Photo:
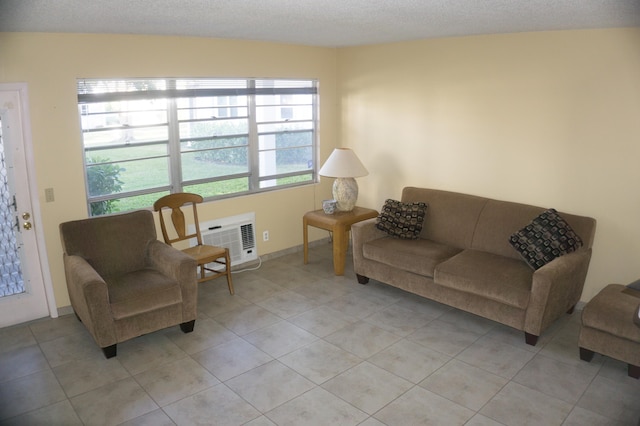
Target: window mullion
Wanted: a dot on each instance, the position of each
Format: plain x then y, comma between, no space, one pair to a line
254,157
175,162
316,151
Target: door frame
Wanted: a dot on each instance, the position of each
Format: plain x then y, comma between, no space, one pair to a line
25,122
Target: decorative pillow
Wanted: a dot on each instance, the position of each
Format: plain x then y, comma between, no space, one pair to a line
547,236
402,220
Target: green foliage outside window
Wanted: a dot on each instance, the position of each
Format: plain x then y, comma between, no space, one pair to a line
103,178
229,134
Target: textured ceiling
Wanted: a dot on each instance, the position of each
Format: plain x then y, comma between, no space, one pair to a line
331,23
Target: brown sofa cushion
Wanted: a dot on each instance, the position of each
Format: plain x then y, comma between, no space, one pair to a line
488,275
418,256
402,220
440,224
142,291
546,237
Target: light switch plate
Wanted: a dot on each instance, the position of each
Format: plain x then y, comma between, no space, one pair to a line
48,195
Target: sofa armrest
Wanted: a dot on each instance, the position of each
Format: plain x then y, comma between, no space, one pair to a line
181,267
90,299
556,288
361,233
366,231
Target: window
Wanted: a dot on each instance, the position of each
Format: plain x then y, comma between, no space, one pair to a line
145,138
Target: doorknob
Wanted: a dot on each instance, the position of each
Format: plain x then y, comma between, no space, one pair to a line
26,224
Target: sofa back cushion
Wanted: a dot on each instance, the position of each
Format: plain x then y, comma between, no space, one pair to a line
451,217
497,222
468,221
500,219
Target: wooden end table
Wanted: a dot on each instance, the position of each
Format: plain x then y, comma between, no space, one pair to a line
340,224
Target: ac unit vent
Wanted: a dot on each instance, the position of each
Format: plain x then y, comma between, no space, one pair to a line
237,233
248,235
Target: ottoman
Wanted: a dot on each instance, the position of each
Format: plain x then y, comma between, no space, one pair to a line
608,327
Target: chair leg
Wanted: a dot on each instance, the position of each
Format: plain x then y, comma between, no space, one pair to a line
362,279
228,268
187,327
634,371
586,354
530,339
110,351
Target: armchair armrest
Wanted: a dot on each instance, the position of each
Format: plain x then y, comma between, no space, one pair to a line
90,299
555,289
182,268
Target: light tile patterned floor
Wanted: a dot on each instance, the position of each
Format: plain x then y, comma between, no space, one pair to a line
297,346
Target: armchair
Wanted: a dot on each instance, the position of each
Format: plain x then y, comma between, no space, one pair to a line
123,282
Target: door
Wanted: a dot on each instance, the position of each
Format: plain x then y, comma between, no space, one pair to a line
23,295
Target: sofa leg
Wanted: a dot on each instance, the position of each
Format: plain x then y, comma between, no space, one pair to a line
586,354
110,351
571,309
530,339
187,327
362,279
634,371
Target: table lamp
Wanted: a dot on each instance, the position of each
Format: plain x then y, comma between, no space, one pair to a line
344,165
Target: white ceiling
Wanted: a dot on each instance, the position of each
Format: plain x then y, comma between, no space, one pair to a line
330,23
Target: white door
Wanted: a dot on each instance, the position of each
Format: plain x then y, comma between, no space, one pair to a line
23,295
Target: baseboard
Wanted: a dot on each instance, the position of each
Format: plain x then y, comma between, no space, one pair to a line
65,310
284,252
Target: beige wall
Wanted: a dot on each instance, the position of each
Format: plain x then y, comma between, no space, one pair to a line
50,64
551,119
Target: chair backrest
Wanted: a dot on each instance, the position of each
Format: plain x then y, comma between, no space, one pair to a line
175,202
114,244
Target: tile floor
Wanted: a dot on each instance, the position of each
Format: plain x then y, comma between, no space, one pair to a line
297,345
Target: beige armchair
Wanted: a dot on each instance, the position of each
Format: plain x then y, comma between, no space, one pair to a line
123,282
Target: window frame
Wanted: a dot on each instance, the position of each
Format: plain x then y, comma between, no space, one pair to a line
101,91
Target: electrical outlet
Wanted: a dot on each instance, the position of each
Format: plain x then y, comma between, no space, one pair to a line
265,236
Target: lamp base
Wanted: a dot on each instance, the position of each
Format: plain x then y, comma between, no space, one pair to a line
345,192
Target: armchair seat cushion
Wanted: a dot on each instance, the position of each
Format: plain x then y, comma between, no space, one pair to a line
418,256
487,275
142,291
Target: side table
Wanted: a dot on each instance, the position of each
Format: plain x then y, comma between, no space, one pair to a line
340,224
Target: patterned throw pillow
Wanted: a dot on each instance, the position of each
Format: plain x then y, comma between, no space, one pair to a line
402,220
547,236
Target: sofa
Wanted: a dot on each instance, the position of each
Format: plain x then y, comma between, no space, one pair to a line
464,255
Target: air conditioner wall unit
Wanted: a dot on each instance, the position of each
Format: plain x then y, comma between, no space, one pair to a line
237,233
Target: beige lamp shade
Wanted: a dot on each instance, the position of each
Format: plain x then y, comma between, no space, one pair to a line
344,165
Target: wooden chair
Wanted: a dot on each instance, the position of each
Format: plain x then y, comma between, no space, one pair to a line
204,254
